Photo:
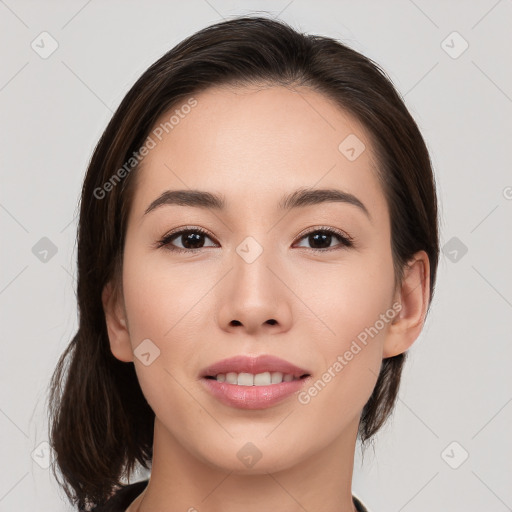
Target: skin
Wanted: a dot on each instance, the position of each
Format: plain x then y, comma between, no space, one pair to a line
253,145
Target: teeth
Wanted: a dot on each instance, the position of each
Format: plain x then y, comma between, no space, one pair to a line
260,379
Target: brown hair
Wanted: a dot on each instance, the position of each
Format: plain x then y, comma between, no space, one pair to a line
100,423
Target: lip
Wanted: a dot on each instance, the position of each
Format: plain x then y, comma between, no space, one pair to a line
253,397
254,365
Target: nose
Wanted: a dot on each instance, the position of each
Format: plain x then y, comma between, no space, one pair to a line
253,298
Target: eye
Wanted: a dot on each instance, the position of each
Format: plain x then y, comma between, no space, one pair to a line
323,237
191,240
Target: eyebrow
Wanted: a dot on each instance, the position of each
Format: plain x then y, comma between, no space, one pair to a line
298,199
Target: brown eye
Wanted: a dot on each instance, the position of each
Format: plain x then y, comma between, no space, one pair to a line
194,239
190,239
321,239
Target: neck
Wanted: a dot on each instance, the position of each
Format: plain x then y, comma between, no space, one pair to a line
182,481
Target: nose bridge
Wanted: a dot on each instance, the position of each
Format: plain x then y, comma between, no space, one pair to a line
252,295
251,262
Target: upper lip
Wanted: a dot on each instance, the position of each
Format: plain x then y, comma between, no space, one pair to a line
254,365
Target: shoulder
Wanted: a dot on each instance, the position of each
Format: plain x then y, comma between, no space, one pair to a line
122,498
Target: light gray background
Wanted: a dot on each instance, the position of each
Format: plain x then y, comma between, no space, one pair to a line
457,383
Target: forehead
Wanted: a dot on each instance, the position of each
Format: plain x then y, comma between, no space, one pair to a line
255,144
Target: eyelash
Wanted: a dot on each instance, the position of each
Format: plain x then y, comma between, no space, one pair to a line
346,240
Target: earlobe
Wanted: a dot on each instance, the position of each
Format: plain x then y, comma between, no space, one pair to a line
118,334
414,296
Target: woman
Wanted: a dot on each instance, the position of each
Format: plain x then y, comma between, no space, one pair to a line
257,250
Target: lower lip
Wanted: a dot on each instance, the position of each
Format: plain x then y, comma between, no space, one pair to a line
252,397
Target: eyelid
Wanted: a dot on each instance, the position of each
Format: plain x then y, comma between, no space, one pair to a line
179,230
314,229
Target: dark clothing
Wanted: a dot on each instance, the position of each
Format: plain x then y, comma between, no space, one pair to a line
121,500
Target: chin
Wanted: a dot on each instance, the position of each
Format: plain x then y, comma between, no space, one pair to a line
256,457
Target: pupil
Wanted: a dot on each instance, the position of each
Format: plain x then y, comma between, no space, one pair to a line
191,238
322,238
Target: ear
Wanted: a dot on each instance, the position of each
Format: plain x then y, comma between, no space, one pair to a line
115,317
413,295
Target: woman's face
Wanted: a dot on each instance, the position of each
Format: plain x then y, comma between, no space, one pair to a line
254,284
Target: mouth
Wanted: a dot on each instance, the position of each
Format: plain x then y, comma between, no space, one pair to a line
258,379
248,382
246,370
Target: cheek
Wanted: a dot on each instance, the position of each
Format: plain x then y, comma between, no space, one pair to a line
353,311
169,305
160,296
341,300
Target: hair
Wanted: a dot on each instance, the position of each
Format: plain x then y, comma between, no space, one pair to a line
101,425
